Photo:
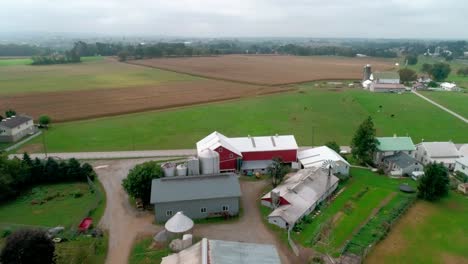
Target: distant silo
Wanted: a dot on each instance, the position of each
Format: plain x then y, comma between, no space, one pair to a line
209,161
193,166
366,72
169,169
181,170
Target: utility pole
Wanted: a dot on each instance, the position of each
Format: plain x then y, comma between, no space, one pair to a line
44,146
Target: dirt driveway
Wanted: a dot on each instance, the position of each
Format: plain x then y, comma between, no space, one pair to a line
125,224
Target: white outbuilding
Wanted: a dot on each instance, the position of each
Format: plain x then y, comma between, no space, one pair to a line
315,157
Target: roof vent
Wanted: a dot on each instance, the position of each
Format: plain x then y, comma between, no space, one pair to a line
253,142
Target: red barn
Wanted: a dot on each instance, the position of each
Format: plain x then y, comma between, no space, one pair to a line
249,153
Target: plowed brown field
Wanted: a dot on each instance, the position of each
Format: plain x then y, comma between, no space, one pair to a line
75,105
269,69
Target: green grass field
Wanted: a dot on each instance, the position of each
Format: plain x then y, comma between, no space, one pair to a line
428,233
64,210
350,209
13,62
143,254
457,102
313,115
92,73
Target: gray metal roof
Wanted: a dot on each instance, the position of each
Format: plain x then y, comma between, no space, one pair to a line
186,188
386,75
230,252
401,159
15,121
440,149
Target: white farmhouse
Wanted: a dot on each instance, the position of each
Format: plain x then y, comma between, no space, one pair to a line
451,87
315,157
15,128
298,196
389,146
438,152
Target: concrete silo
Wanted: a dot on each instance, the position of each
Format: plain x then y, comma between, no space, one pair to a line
209,161
366,72
193,166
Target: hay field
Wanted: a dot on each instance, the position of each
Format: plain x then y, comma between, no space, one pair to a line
269,69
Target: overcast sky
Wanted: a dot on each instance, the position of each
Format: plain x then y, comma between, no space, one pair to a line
237,18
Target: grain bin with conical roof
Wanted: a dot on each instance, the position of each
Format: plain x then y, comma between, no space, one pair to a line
181,170
209,161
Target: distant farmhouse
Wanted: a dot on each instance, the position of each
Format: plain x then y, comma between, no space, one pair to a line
450,87
461,165
439,152
298,196
200,196
389,146
401,164
15,128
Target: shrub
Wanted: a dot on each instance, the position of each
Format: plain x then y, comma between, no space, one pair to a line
77,194
6,232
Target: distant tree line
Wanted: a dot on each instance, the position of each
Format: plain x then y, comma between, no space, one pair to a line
22,50
17,175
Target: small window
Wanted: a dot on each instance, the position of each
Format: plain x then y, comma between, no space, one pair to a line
225,208
409,152
231,155
220,150
203,209
463,167
169,213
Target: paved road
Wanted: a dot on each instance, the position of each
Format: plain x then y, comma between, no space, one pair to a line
168,153
442,107
116,154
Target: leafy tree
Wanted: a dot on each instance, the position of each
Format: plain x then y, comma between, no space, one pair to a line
426,68
88,171
10,113
407,75
123,55
44,120
277,170
364,143
440,71
138,182
28,246
1,117
333,145
412,59
432,84
435,182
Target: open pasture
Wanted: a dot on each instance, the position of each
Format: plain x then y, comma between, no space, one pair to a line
269,69
313,115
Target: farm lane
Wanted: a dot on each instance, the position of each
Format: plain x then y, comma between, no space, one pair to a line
167,153
442,107
122,221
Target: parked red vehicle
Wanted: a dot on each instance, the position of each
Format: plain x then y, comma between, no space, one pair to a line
85,224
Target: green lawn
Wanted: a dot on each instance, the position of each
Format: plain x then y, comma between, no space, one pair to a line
428,233
142,253
350,209
455,101
313,115
92,73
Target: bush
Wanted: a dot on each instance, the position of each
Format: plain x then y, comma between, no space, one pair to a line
6,232
77,194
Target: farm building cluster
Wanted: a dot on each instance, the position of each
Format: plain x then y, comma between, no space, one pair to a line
15,128
208,186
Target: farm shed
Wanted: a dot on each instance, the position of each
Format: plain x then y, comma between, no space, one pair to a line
15,128
386,77
249,153
315,157
225,252
298,196
463,187
401,164
439,152
388,146
199,196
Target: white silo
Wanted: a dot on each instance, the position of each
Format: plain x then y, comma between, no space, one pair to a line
193,166
181,170
209,161
169,169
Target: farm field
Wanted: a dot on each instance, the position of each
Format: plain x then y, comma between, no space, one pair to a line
436,228
314,115
457,102
363,194
93,73
14,61
269,69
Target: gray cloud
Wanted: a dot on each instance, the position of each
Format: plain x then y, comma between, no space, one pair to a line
219,18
